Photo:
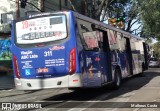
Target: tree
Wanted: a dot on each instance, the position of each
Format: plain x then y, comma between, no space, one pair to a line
156,48
150,18
133,13
97,9
146,13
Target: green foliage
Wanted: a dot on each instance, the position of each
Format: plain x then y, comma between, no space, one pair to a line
116,7
91,8
156,48
144,12
150,17
133,13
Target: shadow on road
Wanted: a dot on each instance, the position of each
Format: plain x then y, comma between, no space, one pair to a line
128,85
134,83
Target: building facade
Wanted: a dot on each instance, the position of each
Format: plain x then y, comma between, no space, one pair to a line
8,12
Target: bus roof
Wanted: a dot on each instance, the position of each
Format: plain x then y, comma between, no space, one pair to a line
80,16
101,24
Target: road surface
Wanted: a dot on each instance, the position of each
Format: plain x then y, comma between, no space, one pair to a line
132,93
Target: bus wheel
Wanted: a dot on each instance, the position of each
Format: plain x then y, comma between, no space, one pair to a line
117,79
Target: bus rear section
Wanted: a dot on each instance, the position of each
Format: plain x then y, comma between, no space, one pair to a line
44,52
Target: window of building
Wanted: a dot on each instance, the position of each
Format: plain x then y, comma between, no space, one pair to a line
6,18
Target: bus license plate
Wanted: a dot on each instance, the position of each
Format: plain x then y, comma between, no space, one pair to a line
42,70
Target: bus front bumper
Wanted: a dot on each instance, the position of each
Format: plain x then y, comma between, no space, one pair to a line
67,81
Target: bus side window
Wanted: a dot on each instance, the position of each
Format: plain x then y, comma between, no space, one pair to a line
112,37
91,40
121,42
100,40
88,36
83,27
133,45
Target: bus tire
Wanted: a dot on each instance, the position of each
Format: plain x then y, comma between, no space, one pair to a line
117,79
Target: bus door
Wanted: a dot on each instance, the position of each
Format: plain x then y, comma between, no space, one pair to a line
106,68
98,59
90,60
129,56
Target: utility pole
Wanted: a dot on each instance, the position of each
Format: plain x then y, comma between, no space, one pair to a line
17,9
42,6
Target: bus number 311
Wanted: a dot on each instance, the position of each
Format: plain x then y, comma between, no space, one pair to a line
47,53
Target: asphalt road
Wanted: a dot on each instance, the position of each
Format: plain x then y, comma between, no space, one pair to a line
133,91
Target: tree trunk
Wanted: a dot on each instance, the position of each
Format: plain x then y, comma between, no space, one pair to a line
129,25
100,10
104,12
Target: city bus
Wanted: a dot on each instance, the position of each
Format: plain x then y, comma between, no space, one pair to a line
68,50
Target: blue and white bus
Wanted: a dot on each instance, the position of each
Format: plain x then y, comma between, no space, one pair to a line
67,49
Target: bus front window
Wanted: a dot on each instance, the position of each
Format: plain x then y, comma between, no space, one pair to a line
43,29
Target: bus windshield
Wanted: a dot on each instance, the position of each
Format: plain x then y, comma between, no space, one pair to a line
44,29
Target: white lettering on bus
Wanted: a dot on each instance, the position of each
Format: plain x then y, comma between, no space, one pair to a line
24,57
26,52
29,56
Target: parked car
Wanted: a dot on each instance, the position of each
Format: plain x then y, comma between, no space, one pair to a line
154,62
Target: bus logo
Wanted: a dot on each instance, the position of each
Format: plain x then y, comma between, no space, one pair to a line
57,48
27,72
